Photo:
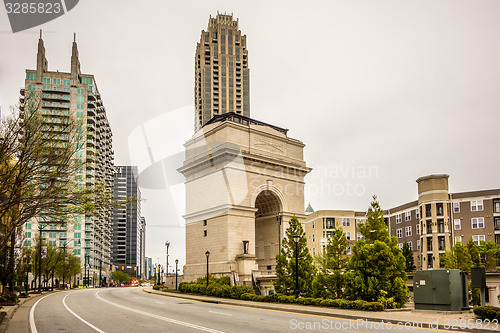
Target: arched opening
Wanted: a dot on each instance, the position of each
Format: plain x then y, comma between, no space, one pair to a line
268,206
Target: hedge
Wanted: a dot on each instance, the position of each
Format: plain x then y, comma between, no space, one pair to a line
247,294
487,312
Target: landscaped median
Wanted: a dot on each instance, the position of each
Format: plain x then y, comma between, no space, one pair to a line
247,294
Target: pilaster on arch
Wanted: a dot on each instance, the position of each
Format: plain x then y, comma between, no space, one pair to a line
273,189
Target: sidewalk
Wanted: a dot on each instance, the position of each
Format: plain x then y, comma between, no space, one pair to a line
428,319
8,311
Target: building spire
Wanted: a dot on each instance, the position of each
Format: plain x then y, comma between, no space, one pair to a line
41,62
75,62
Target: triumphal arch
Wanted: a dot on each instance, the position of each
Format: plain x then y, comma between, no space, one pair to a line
244,181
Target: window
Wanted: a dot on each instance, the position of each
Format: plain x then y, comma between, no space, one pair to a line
417,213
313,238
429,243
408,231
429,227
28,226
52,243
77,235
477,222
440,224
205,233
358,221
80,91
78,218
66,82
79,114
400,245
349,250
458,239
410,245
77,252
428,211
407,216
56,81
476,205
346,222
398,218
441,243
359,235
205,222
27,234
80,98
46,80
79,106
456,207
418,244
439,209
457,224
478,239
330,223
31,87
496,206
313,224
314,251
399,233
30,76
27,243
348,235
62,235
417,229
78,170
78,226
52,234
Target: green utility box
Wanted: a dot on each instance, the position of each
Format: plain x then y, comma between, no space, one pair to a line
441,289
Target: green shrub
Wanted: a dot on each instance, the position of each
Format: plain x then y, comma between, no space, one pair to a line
156,287
247,297
327,303
487,312
24,294
9,297
286,299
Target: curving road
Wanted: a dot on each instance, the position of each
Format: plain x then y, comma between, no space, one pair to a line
132,310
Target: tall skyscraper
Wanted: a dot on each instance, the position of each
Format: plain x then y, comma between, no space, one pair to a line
222,76
74,95
128,225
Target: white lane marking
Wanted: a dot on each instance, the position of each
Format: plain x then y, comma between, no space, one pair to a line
170,320
222,313
159,302
77,316
32,315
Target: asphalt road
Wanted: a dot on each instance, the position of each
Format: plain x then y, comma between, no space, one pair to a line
132,310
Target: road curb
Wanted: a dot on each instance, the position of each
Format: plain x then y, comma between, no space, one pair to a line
313,311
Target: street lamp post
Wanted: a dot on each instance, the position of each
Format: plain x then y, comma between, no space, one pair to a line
176,263
208,255
278,219
40,228
296,239
28,265
167,244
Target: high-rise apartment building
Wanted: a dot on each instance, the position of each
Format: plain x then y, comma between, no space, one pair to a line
128,240
75,96
222,76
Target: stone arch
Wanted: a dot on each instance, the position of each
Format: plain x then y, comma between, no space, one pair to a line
268,205
273,189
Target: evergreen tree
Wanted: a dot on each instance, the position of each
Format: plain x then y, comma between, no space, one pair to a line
409,260
285,262
474,253
458,258
489,252
377,267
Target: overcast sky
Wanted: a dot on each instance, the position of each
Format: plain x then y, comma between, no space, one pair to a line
381,92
